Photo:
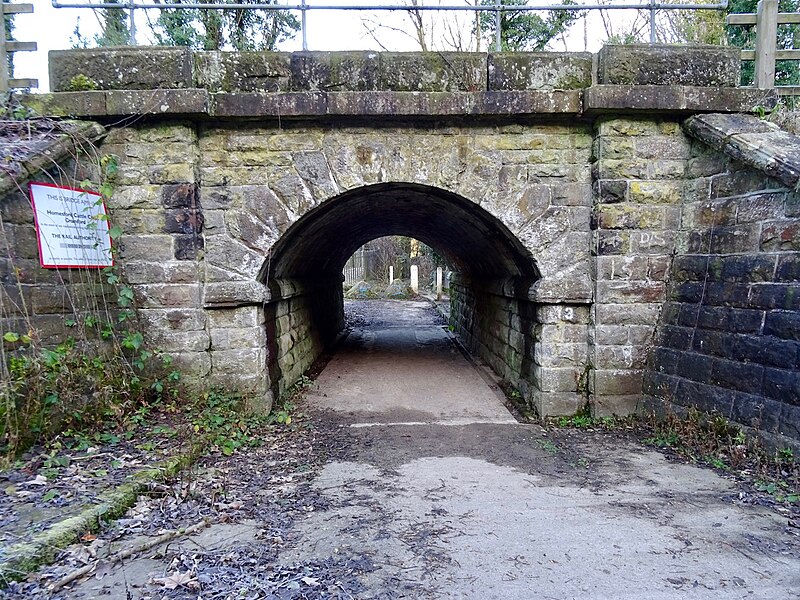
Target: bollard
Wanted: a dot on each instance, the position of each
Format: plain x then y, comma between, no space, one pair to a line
415,278
438,283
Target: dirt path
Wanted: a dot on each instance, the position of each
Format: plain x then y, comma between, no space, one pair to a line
441,497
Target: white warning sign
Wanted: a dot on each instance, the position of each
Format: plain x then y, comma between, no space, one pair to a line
72,226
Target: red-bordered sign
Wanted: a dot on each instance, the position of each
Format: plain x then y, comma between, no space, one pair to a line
72,227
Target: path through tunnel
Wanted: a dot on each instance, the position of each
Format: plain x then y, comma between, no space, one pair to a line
490,310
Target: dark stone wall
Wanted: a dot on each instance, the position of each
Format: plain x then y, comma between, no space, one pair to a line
729,335
494,327
299,329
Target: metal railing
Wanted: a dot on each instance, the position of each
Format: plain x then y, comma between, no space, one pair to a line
766,21
652,6
7,47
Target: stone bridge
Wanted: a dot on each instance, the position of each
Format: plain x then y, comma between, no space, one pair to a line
614,242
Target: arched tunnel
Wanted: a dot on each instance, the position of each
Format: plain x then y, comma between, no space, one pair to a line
490,313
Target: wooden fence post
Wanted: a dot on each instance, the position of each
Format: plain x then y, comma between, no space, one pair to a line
766,41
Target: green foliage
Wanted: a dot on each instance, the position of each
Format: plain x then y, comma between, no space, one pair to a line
786,72
237,29
224,419
713,440
81,83
102,376
525,30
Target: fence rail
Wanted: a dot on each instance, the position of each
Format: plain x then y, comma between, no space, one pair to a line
8,47
652,7
766,20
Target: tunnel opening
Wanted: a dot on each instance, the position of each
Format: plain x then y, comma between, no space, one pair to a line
493,272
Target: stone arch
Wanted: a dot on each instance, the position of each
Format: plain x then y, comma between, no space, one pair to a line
302,273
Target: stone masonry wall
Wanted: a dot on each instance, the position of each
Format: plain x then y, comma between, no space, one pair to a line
639,166
490,326
729,337
540,349
33,298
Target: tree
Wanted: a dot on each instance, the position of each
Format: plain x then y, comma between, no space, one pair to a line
114,24
235,28
525,30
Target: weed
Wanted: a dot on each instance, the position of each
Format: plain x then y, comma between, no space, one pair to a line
81,83
549,446
103,376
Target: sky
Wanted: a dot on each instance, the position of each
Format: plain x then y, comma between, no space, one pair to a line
53,29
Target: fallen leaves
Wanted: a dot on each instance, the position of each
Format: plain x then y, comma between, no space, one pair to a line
178,579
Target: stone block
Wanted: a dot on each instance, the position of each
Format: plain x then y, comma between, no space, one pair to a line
622,168
738,183
243,71
617,382
605,335
557,313
125,68
706,165
783,385
550,379
607,313
560,355
750,268
688,291
766,350
557,404
160,295
180,195
642,292
780,296
615,405
175,320
788,268
224,252
156,102
611,191
136,272
146,248
738,239
664,360
170,173
612,242
663,147
744,377
238,337
783,324
641,64
183,341
240,317
192,365
619,357
712,342
630,216
433,72
336,71
188,246
760,207
183,220
780,236
230,294
622,267
539,71
656,192
678,338
696,367
238,361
